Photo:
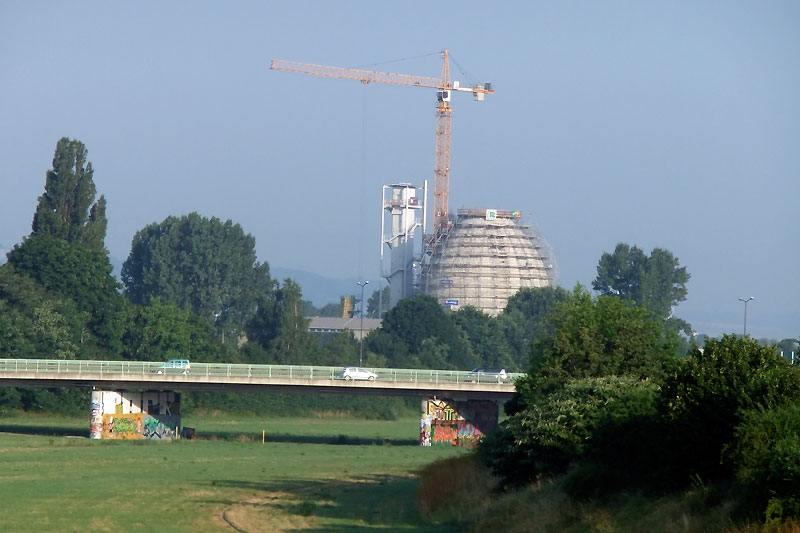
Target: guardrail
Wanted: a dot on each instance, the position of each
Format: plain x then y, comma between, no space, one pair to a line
147,368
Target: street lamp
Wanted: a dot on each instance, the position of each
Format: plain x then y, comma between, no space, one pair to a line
362,284
745,312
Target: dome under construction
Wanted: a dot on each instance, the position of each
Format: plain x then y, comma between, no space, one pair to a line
484,259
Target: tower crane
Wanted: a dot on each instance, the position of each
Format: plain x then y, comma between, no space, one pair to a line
444,88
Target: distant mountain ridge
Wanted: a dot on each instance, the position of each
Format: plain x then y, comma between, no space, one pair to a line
318,289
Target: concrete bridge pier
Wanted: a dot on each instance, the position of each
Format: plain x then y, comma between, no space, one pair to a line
123,414
448,422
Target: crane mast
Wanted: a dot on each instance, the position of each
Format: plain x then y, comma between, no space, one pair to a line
444,87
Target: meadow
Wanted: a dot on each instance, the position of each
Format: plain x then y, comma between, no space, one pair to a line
311,474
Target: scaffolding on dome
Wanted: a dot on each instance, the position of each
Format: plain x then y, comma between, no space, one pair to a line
484,259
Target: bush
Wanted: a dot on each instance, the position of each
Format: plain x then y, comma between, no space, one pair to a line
704,399
767,459
545,438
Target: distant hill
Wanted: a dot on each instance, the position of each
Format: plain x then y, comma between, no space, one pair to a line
318,289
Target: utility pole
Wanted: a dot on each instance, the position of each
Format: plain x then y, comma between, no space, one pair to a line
362,284
745,312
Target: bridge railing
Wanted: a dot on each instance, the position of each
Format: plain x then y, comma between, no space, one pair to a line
154,369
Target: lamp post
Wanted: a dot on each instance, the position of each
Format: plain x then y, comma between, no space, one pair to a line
362,284
745,312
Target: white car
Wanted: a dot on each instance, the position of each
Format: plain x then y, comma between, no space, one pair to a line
488,375
353,372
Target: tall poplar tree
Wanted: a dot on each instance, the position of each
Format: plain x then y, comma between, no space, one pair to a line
65,254
67,210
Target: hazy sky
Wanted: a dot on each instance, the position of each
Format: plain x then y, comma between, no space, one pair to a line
661,124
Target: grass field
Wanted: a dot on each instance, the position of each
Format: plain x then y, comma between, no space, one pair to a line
312,474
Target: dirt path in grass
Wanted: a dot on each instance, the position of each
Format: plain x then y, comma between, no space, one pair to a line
283,510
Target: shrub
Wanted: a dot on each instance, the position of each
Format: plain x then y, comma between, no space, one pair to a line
545,438
704,399
767,460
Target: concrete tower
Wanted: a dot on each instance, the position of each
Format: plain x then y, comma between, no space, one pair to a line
404,213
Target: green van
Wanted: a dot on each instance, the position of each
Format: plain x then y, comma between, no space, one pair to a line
174,366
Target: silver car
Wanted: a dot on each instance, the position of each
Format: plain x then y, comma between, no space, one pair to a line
354,372
488,375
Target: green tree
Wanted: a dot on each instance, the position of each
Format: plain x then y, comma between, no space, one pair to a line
67,209
554,432
281,328
656,282
162,331
524,318
341,350
26,310
587,337
767,460
705,397
200,264
81,274
593,355
373,302
412,321
485,338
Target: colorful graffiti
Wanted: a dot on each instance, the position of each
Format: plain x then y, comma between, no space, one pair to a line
445,422
425,431
139,426
96,420
135,415
165,427
122,426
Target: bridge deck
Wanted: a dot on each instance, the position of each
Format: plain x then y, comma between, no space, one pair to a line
134,375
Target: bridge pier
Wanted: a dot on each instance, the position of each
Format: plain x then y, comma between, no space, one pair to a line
135,415
448,422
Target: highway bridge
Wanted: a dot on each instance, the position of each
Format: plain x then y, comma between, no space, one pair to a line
142,375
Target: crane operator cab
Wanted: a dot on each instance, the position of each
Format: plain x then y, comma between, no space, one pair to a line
443,95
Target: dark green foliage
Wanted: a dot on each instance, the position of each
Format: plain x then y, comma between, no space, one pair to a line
593,338
162,331
281,329
277,404
202,265
57,295
656,282
78,274
767,459
393,348
523,319
66,210
704,400
422,334
596,366
66,401
372,303
554,432
342,349
485,337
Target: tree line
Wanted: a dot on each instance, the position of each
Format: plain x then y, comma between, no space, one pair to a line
616,393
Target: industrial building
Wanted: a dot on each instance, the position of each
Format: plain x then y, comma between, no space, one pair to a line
484,259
